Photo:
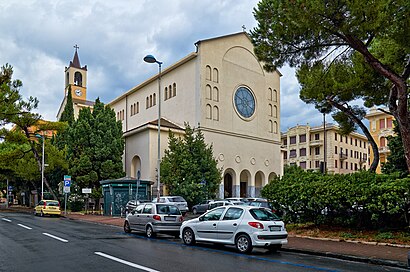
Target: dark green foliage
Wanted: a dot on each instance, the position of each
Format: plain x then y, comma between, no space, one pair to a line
68,113
188,161
95,147
358,200
396,162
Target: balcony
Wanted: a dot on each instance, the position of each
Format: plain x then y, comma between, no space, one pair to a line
384,150
342,156
316,143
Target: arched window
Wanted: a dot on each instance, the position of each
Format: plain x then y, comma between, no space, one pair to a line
216,75
138,107
154,99
166,93
270,126
208,111
67,78
270,110
275,95
383,142
270,94
208,92
215,94
275,127
147,102
132,110
170,91
78,79
216,113
275,111
174,89
208,72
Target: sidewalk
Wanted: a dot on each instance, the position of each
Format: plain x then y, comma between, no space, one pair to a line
381,254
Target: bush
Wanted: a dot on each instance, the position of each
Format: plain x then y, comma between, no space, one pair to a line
361,200
76,206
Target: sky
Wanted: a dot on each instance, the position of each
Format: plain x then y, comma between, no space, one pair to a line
37,38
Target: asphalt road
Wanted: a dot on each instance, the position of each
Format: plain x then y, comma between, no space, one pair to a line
29,243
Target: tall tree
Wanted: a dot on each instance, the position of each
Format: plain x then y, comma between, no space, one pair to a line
95,147
189,168
305,31
60,140
396,162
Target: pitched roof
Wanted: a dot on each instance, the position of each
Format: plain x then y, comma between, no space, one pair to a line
76,62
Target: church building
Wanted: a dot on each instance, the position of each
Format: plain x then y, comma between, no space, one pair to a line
221,89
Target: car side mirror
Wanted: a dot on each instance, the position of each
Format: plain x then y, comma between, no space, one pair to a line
201,218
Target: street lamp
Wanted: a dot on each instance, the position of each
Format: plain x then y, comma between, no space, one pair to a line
152,59
42,167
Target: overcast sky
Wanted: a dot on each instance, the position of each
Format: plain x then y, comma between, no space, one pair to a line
37,39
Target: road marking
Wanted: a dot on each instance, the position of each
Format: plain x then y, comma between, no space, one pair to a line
126,262
5,219
21,225
55,237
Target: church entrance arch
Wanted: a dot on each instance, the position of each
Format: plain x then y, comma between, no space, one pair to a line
259,180
245,181
229,178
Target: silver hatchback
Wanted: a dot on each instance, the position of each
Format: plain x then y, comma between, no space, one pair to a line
153,218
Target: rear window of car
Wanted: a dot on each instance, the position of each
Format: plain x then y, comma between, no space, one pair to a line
168,209
52,204
263,215
176,199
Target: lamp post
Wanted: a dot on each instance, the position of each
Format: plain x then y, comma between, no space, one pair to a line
152,59
42,167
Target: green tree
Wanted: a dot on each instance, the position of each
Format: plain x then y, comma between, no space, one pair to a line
188,167
396,162
311,32
95,147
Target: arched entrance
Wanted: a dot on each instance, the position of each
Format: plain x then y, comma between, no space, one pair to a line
245,180
259,180
228,185
135,166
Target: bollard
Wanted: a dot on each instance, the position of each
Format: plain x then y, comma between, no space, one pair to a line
408,259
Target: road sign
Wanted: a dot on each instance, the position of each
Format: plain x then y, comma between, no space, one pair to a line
67,183
86,190
66,189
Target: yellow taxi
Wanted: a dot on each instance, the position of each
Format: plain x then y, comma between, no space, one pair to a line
50,207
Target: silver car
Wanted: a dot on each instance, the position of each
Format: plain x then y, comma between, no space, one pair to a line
243,226
178,201
153,218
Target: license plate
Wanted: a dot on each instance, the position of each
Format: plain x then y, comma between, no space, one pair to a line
169,218
275,228
52,208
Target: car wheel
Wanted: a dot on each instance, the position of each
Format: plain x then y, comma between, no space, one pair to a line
150,232
127,227
188,237
243,243
194,211
274,248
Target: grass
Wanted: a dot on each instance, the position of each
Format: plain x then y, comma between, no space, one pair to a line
393,237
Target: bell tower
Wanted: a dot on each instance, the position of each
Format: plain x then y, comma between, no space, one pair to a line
76,77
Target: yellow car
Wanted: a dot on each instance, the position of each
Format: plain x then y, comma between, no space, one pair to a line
50,207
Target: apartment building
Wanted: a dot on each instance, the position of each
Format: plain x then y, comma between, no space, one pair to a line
313,147
381,126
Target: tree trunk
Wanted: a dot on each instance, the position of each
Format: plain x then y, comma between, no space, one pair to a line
366,132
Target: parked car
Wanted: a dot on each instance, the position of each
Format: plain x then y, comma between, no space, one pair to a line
132,204
201,207
236,199
178,201
47,207
243,226
153,218
218,203
263,204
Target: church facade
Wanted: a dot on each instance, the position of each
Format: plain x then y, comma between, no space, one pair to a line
221,89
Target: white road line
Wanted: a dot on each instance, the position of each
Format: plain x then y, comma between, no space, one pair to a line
21,225
55,237
126,262
5,219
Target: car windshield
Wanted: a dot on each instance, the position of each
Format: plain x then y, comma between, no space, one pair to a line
176,199
263,215
168,209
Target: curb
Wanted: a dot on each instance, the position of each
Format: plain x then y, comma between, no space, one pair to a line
348,257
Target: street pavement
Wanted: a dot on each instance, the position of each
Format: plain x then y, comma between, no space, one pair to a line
374,253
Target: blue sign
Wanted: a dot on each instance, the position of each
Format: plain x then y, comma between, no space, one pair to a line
67,183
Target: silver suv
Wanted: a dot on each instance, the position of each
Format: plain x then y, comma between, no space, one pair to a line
178,201
153,218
